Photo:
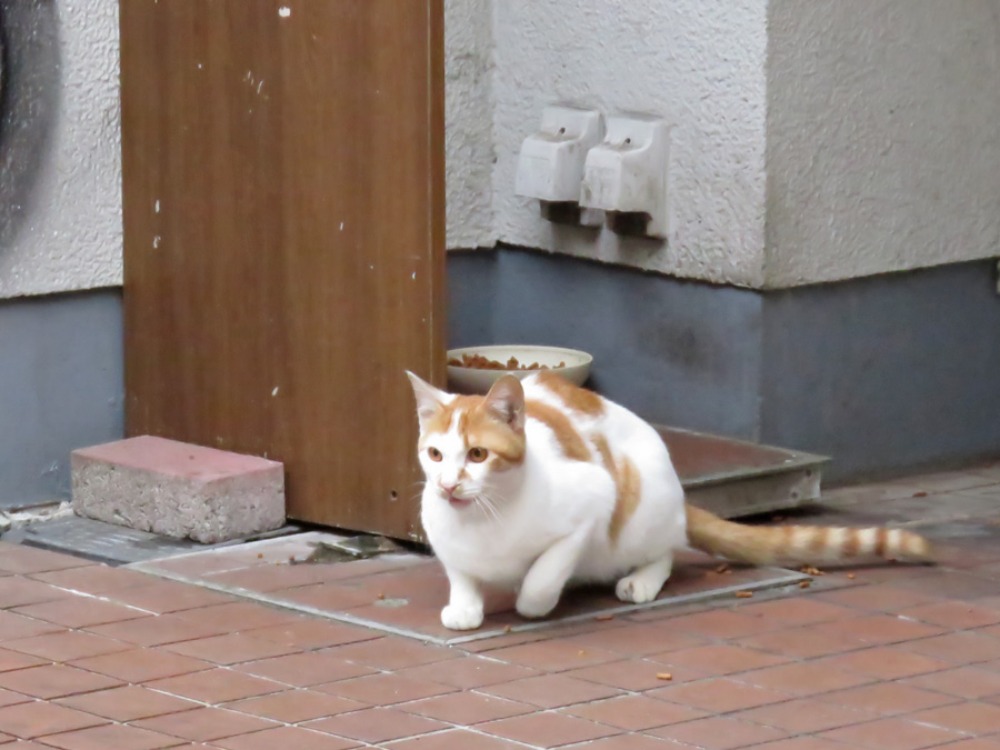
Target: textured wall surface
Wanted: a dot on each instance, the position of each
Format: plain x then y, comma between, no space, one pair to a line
861,133
883,136
60,228
469,116
699,65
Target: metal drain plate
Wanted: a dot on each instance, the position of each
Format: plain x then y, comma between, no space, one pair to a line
115,545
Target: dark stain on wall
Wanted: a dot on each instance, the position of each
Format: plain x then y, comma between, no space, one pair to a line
29,105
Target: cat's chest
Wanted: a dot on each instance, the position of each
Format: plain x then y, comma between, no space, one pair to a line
494,552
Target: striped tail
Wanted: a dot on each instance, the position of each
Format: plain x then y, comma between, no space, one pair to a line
800,545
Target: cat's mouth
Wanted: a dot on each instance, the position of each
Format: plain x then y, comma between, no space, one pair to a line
456,501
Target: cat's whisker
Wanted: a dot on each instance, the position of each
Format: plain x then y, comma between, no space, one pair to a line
488,511
420,484
489,505
482,505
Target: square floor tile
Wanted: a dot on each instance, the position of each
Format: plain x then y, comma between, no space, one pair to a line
633,639
469,672
295,706
205,724
215,686
306,670
128,703
634,712
806,716
885,662
718,733
232,648
959,648
553,656
394,653
455,739
718,660
13,626
163,597
111,736
54,681
467,708
969,717
310,633
80,612
634,675
892,734
28,721
240,616
376,725
547,729
808,678
159,631
551,691
25,560
66,646
384,689
954,615
964,682
19,592
285,738
719,695
142,664
13,660
94,579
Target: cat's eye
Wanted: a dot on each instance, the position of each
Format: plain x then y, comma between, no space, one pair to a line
435,454
478,455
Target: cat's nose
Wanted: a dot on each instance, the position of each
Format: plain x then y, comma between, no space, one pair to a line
448,489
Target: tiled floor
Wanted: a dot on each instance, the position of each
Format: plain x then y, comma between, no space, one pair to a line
401,593
890,658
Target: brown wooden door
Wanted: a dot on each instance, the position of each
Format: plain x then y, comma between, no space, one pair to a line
284,238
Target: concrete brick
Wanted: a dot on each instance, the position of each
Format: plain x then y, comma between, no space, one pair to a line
177,489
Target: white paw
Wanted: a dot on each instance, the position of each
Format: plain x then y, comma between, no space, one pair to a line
535,605
634,590
461,618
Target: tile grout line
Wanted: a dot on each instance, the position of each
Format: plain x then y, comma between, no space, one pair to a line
788,579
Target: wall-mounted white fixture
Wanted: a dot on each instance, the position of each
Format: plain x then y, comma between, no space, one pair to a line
550,166
626,176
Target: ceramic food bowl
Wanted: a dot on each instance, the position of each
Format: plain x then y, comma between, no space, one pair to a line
571,364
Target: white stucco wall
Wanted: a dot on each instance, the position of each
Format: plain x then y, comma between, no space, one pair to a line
469,116
883,136
812,140
699,65
70,237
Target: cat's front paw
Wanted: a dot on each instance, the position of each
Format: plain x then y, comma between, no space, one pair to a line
634,590
461,618
536,605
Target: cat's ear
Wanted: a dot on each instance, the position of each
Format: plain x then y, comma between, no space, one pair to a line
429,399
506,402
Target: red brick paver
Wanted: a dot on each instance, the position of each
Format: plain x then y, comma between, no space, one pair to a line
886,658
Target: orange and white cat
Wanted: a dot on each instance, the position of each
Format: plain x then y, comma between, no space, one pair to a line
540,484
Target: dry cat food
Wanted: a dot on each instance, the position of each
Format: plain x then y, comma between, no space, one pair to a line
479,362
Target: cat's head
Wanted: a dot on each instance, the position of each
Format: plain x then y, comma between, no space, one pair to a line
469,444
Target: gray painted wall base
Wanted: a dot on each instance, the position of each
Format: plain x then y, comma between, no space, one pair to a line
679,353
61,382
886,374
